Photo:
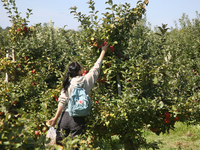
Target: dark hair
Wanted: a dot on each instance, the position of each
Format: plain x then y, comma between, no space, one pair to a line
73,70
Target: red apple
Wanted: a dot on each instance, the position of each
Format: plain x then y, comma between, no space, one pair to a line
33,83
56,98
167,121
48,123
96,102
36,133
26,57
108,64
14,102
84,74
19,30
97,45
176,119
25,29
112,49
104,43
167,115
33,71
99,80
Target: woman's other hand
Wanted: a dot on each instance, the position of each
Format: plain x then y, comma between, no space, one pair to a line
52,122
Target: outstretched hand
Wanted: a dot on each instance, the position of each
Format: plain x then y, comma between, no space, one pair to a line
104,50
105,47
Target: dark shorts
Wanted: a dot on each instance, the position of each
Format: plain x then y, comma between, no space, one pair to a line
68,124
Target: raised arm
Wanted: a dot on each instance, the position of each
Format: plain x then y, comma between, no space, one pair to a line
94,72
104,50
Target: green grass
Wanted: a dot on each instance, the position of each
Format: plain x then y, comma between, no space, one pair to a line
183,137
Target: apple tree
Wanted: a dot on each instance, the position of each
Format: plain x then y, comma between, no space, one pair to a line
37,58
140,81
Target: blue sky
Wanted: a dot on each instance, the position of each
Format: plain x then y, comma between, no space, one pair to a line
158,11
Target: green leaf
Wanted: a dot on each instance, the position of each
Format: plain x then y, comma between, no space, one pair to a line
17,145
158,34
155,80
41,139
6,143
108,8
75,141
29,10
20,129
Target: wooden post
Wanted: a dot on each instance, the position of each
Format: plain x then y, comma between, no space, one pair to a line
13,55
7,55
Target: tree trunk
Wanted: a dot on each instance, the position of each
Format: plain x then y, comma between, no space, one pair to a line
129,145
7,55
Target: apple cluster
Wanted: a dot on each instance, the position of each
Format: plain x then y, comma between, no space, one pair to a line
23,30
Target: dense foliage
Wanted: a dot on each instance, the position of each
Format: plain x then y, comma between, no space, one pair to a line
149,80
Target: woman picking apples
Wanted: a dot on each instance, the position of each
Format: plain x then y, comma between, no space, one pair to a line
66,123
